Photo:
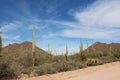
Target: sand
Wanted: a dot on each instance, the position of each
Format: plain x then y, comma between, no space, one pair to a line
109,71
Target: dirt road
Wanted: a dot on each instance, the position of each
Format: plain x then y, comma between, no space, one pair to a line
110,71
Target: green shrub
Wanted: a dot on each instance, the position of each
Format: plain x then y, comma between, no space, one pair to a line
47,68
116,54
6,73
93,62
50,68
63,66
108,59
43,58
81,65
27,70
76,57
58,58
77,64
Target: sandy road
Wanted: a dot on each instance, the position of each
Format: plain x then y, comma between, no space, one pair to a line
110,71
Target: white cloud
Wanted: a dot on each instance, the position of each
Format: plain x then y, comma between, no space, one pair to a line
16,37
10,26
9,39
70,24
31,27
101,20
104,13
49,35
91,34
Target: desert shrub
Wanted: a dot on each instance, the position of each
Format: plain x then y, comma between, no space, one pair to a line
45,69
6,72
81,65
25,60
76,57
73,63
95,54
43,58
63,66
50,68
108,59
77,64
116,54
40,70
12,66
27,70
93,62
58,58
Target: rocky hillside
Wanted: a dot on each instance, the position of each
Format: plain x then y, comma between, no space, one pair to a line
23,48
100,49
104,47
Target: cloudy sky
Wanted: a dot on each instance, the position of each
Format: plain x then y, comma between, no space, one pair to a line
59,22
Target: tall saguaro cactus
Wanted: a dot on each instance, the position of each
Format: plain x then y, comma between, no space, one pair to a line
49,51
33,46
110,49
87,48
81,47
0,42
66,54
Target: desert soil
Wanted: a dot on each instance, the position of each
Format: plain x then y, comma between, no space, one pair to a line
109,71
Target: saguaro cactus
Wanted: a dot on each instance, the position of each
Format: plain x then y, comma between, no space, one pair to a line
66,54
49,51
33,46
87,48
81,47
110,49
0,42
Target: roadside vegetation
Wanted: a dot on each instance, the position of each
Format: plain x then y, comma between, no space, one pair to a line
13,66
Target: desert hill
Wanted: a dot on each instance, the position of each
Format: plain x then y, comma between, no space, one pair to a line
23,48
98,46
100,49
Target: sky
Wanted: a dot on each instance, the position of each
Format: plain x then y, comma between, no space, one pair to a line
60,22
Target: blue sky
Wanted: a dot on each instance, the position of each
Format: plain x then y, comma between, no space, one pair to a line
59,22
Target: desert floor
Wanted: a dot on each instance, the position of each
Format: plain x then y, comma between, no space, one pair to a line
109,71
